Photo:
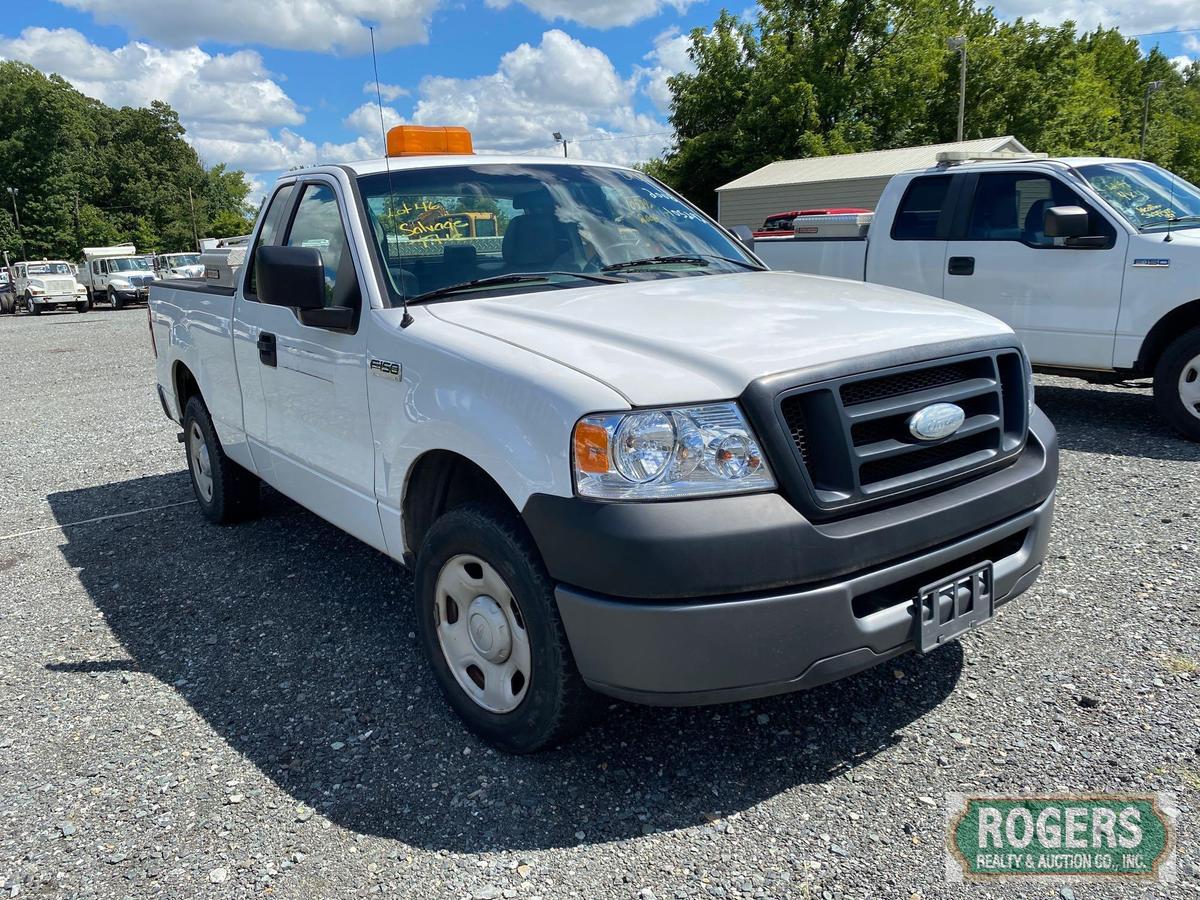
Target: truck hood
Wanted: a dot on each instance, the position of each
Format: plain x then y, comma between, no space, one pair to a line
702,338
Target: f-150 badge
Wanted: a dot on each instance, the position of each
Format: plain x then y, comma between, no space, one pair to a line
1152,263
385,369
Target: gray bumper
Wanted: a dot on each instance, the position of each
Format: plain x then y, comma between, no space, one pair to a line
715,651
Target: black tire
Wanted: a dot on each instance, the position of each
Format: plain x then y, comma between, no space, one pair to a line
82,306
235,491
114,299
557,704
31,307
1177,363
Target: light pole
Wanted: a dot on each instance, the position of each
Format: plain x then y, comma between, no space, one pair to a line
959,43
13,192
1152,88
562,140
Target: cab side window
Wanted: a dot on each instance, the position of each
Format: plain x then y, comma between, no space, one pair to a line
1011,206
921,209
318,224
268,235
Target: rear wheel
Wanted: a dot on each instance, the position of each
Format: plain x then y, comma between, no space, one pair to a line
225,491
1177,384
489,624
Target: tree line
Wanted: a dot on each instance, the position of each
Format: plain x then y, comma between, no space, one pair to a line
87,174
816,77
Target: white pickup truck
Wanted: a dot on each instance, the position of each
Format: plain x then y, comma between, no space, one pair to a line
1095,262
618,454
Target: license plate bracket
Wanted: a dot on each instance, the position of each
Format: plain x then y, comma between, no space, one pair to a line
948,608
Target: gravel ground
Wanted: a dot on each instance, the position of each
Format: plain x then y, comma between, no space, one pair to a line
222,712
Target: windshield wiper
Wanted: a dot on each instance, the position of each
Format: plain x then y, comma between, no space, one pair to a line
509,278
1175,221
678,259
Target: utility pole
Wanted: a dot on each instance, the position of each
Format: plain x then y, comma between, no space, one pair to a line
562,140
195,233
959,43
13,192
1152,88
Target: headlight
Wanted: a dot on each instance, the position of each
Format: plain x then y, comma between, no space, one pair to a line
80,289
663,454
1028,383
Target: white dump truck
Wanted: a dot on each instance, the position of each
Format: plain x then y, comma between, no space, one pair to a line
168,266
116,275
619,455
1094,262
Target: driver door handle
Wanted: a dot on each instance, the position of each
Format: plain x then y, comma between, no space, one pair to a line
961,265
266,349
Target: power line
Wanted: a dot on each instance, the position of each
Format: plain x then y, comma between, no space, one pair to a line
622,137
1172,31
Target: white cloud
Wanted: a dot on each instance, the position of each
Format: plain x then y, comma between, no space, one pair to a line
201,87
1181,62
670,57
560,85
322,25
1131,16
229,103
389,92
597,13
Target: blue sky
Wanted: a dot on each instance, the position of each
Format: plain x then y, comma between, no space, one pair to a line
268,84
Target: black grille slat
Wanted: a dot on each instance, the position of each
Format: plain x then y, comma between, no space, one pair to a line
852,437
906,383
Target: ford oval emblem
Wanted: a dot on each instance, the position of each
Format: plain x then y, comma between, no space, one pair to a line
937,421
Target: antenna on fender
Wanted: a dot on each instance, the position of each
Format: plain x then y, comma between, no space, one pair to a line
407,318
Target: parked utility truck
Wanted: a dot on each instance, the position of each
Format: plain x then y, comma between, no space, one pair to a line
116,275
1095,262
168,266
619,455
40,285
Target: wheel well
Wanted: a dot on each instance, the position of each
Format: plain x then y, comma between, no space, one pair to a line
1180,319
185,386
439,481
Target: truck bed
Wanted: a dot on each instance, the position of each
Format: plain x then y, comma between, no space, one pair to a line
839,257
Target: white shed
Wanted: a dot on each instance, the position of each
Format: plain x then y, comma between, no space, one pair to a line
846,180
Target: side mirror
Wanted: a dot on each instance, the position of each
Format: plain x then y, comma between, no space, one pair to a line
744,235
1065,222
290,276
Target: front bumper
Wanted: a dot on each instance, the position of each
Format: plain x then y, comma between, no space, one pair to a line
56,299
733,598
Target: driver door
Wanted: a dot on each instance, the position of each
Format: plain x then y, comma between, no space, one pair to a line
1062,301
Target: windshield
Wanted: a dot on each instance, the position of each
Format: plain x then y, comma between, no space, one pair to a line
1146,195
535,218
183,259
54,268
129,264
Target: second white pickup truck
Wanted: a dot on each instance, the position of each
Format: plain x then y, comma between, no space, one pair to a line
1094,262
618,454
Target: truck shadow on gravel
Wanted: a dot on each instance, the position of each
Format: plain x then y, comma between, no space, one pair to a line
294,643
1120,420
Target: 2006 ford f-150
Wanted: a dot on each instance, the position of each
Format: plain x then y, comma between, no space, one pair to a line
618,454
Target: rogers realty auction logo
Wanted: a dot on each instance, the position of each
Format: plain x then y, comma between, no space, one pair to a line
1061,837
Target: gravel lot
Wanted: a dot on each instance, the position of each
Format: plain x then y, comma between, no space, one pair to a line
188,710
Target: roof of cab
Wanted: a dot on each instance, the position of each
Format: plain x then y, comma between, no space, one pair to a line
438,161
977,165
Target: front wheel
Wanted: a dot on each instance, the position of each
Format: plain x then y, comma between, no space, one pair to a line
225,491
82,306
1177,384
32,308
113,300
489,624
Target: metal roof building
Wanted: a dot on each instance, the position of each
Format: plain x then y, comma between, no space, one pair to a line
849,179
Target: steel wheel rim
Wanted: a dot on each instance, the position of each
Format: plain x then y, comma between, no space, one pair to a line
201,463
481,633
1189,386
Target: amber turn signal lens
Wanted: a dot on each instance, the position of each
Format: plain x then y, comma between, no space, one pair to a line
591,448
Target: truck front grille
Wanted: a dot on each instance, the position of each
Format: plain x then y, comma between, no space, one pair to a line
851,434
